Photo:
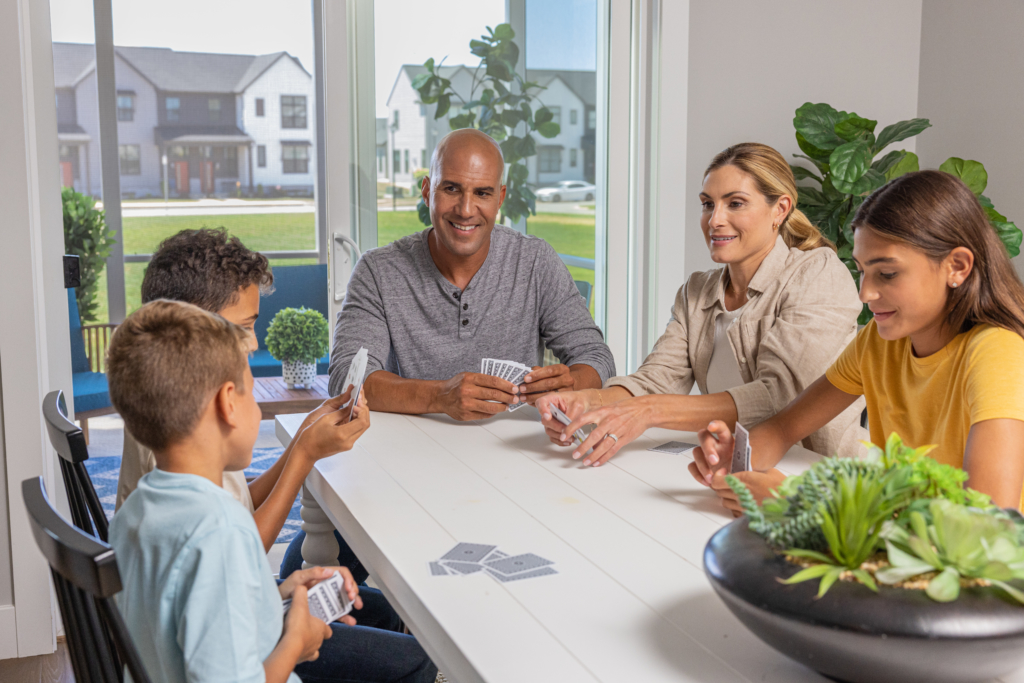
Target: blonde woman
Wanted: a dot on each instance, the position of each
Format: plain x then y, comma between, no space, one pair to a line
752,335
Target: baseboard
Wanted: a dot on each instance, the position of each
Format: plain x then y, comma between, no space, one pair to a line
8,633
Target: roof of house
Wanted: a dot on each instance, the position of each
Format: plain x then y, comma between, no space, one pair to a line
582,83
170,70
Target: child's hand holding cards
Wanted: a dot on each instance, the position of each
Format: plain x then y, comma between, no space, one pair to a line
740,450
327,600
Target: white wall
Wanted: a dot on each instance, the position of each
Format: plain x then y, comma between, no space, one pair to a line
972,90
752,63
285,77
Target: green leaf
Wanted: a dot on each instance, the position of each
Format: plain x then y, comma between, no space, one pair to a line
826,581
945,587
817,122
423,211
444,103
1010,235
1014,593
908,164
856,128
549,129
990,209
809,573
972,173
801,173
849,162
479,48
900,131
866,579
810,196
420,81
809,554
504,32
518,173
883,164
815,154
868,183
543,115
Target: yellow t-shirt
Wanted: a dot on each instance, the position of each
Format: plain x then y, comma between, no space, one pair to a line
934,400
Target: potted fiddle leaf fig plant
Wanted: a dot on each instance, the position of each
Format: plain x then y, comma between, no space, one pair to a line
879,570
298,337
844,150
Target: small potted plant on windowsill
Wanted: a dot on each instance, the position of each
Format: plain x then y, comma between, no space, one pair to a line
298,337
918,577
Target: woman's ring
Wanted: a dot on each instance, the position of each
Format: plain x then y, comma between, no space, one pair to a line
613,437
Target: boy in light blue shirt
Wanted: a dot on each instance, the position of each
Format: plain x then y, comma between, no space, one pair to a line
198,595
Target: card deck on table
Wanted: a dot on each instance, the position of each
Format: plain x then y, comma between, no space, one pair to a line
741,450
438,569
327,600
674,447
543,571
354,378
462,567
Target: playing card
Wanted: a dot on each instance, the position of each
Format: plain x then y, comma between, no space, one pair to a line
327,600
518,563
543,571
438,569
578,435
354,378
674,447
468,552
462,567
741,450
516,406
495,555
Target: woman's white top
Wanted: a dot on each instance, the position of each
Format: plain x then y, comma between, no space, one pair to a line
724,371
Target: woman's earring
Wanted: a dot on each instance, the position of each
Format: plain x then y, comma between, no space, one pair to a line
954,285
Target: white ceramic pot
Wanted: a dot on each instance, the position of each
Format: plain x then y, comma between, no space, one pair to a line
296,373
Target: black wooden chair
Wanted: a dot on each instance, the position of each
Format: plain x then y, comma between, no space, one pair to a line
85,579
69,442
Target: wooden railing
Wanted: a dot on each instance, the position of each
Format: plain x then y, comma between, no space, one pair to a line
97,338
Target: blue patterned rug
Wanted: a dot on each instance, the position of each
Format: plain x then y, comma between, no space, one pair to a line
103,472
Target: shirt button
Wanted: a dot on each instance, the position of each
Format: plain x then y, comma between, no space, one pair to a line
465,306
465,321
456,295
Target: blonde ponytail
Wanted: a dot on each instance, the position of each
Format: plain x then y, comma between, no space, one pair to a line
774,179
798,231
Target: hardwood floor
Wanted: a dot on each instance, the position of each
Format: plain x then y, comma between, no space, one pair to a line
52,668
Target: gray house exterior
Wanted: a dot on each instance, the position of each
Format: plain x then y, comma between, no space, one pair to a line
206,124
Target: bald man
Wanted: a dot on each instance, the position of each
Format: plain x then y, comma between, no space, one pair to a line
430,306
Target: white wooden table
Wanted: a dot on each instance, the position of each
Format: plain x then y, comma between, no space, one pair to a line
630,601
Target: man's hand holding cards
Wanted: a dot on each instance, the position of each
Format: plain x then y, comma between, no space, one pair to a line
544,380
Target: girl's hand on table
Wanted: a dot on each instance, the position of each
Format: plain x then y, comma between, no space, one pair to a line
614,427
759,483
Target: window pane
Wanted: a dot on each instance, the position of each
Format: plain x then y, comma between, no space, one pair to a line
200,109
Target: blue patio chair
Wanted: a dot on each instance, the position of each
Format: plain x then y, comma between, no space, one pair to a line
294,286
92,398
585,289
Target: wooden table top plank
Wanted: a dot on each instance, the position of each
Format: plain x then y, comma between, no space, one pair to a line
441,611
582,606
658,550
275,398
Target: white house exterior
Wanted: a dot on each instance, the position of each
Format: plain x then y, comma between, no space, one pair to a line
412,131
227,124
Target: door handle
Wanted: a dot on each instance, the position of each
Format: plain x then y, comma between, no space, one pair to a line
343,262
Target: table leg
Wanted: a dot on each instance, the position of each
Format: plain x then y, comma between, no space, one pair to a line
320,548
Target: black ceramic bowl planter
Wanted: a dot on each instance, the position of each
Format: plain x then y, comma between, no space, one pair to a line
853,634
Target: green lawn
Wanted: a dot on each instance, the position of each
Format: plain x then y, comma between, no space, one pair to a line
571,234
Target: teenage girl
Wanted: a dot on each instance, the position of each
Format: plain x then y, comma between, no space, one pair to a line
942,362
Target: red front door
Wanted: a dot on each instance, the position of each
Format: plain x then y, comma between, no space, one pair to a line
181,177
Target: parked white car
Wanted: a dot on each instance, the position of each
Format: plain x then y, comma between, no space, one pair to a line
568,190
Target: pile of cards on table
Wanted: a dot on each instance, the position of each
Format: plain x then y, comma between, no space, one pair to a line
328,600
508,370
469,558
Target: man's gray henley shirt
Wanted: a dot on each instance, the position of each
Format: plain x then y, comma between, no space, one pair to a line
418,325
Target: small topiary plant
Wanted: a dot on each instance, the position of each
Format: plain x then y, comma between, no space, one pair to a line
87,237
298,335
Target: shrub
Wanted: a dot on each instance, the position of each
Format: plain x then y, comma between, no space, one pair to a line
299,335
86,236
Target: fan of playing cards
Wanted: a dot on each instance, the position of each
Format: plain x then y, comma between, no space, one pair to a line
327,600
470,558
508,370
354,378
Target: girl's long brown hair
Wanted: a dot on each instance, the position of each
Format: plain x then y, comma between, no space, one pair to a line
774,178
934,212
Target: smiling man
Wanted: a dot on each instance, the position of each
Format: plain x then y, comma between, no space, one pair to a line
430,306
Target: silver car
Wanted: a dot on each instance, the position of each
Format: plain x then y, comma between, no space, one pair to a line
568,190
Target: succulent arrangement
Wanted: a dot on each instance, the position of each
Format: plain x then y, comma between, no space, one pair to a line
898,518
